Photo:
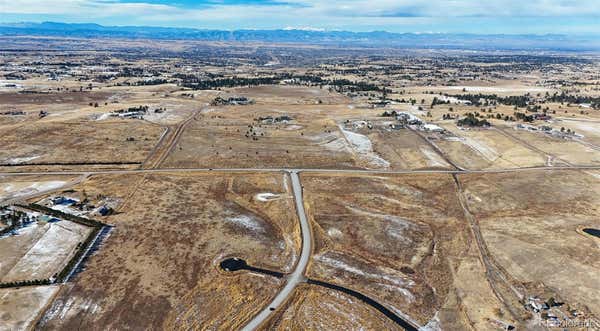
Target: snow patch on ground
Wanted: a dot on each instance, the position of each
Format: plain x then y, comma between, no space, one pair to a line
66,308
49,253
362,145
395,227
247,222
293,127
497,89
433,158
393,282
17,160
590,127
68,210
101,117
267,196
453,100
336,145
335,233
164,117
13,190
285,183
486,151
290,243
594,174
404,189
360,142
472,196
432,325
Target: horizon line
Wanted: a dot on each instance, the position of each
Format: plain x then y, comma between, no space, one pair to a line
299,28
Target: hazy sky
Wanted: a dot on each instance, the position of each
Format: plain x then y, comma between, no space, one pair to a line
482,16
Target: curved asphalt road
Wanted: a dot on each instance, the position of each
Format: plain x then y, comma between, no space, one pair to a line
297,276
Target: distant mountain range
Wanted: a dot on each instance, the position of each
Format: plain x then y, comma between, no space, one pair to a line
550,42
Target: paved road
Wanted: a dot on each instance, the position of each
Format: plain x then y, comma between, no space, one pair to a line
297,276
267,170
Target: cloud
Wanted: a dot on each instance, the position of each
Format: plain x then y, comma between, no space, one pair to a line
80,7
343,8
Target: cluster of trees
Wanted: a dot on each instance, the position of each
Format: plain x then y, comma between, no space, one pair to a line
575,99
155,81
526,101
493,99
201,84
148,82
534,108
340,85
140,109
472,120
14,220
63,215
251,133
437,101
569,131
81,248
131,72
524,117
218,101
26,283
344,85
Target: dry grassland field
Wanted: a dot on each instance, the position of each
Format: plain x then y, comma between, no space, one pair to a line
532,224
289,95
25,186
197,185
571,152
402,241
233,137
309,136
21,306
316,308
394,238
40,250
488,149
78,142
159,266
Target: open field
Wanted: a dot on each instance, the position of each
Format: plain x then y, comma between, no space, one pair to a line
404,149
487,149
532,226
286,95
315,136
569,151
160,264
413,189
79,142
22,186
232,137
380,238
589,129
40,250
316,308
20,307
